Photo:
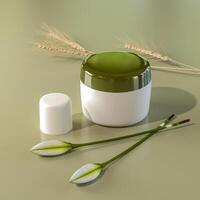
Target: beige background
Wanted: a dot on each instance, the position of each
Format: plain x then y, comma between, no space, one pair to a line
165,167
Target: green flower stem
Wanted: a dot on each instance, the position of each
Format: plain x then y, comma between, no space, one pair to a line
112,139
122,137
160,127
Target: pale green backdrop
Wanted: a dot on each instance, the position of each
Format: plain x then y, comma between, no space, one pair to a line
165,167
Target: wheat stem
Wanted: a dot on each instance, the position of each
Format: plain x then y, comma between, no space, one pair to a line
175,70
178,68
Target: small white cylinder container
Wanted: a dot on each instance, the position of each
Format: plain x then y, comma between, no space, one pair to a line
115,88
55,114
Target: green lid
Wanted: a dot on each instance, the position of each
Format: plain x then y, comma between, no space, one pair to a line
115,72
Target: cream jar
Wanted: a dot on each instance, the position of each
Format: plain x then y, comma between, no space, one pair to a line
115,88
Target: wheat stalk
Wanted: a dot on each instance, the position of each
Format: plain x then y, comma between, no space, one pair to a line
60,43
157,56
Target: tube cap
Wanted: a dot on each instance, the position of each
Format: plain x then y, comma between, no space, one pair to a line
55,114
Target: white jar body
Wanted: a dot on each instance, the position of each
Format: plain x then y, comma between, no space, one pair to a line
115,109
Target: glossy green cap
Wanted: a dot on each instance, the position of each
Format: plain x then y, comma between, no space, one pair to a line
115,72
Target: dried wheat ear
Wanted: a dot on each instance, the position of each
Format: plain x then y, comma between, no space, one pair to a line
150,54
60,44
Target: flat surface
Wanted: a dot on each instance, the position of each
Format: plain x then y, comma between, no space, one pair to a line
165,167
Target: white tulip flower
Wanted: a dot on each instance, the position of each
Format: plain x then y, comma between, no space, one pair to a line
51,148
86,173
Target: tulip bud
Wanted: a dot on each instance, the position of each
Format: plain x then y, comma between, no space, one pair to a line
51,148
86,173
